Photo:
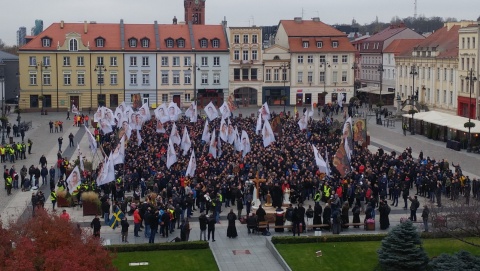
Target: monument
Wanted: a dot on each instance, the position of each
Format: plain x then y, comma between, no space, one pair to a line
256,194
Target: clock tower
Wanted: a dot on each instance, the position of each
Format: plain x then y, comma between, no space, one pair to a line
195,11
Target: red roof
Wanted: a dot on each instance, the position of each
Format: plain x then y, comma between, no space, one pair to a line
401,46
310,28
139,32
175,32
387,33
209,32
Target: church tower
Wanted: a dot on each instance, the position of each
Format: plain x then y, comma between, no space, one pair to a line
195,11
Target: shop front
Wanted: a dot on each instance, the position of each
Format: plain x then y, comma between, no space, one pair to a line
276,95
205,96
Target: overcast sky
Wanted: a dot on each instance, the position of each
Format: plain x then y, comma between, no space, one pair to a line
18,13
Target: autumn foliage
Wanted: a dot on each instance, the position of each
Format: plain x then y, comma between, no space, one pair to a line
48,242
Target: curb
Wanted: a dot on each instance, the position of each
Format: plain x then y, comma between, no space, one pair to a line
276,254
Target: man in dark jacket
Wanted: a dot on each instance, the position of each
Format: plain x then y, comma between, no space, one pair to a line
44,174
211,227
301,215
125,226
153,226
95,225
261,214
202,219
106,211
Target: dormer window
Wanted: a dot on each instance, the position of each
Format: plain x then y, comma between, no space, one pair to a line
100,42
73,45
203,43
335,44
215,43
319,44
169,43
305,44
46,42
132,42
181,43
145,43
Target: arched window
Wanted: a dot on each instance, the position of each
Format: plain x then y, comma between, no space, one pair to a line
73,46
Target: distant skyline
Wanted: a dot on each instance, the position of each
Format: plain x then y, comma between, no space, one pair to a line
245,13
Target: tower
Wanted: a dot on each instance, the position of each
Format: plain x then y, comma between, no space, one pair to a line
195,11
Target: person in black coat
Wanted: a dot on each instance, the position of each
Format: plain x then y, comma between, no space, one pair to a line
240,207
261,214
345,218
125,226
279,219
296,220
384,210
153,222
203,220
231,230
211,227
301,216
356,214
317,214
96,225
276,196
327,214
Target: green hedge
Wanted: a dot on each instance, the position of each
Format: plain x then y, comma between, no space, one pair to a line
159,246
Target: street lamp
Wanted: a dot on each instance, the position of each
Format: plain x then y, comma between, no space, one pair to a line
195,68
18,109
4,122
381,70
324,66
413,72
284,66
100,69
471,78
355,70
42,67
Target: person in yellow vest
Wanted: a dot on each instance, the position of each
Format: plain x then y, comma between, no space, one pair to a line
29,144
12,154
326,192
2,153
8,183
18,150
53,198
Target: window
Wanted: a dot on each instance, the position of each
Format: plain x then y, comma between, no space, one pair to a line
66,61
310,59
187,78
73,45
254,74
100,60
300,77
245,55
133,79
335,59
254,54
216,61
33,79
181,43
46,42
254,38
335,76
310,77
203,43
245,38
268,75
215,43
187,97
322,59
176,78
300,59
428,74
468,43
463,43
451,97
236,74
145,43
187,61
216,78
164,98
451,75
132,43
344,76
275,75
164,60
66,79
204,61
319,44
80,61
133,61
334,44
322,76
113,79
236,38
236,55
32,61
33,101
164,77
438,73
145,79
445,74
344,58
113,100
47,101
81,79
100,42
284,74
113,61
438,96
100,80
444,96
305,44
169,43
176,61
473,43
145,61
204,78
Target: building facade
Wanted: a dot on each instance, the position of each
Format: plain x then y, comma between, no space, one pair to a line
276,80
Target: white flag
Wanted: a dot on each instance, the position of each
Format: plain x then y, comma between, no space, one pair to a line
258,128
267,134
80,158
145,112
340,103
311,112
105,126
192,165
74,179
265,112
211,111
245,143
99,114
223,130
302,123
206,134
118,155
238,141
107,172
161,113
173,111
225,110
174,135
91,141
219,148
139,138
160,128
118,115
109,116
321,164
231,133
126,127
327,163
171,154
213,146
191,112
186,142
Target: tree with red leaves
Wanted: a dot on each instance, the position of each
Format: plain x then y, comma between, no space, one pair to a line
47,242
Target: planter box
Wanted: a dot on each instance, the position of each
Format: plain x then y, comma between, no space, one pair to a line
90,208
62,202
370,226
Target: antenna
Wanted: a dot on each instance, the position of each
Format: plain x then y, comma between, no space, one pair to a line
303,12
253,19
415,10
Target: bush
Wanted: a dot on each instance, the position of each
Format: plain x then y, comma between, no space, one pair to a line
91,196
159,246
324,239
469,124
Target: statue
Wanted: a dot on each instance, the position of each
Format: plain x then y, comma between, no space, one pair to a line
269,200
286,196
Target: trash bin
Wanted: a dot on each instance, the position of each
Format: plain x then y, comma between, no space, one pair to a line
11,140
318,232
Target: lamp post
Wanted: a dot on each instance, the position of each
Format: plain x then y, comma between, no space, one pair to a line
42,66
284,66
471,79
413,72
194,68
100,69
355,70
4,122
381,70
18,109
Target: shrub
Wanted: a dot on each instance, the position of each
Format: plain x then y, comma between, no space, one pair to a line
91,196
159,246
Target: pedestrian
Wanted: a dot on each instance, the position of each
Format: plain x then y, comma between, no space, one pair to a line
29,144
96,225
65,215
231,229
34,203
425,214
413,208
106,211
296,221
153,227
53,198
405,129
211,227
50,124
203,221
125,226
60,141
70,138
185,230
136,222
68,115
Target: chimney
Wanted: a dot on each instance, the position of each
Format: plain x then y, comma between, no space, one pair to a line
298,19
85,27
316,19
61,24
174,19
